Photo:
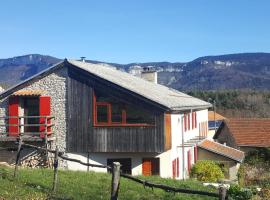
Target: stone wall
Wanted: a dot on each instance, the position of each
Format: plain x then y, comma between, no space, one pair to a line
55,86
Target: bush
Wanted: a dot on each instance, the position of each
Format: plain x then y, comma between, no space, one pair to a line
206,170
237,193
259,155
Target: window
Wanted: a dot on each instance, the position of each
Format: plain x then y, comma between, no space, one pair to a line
109,111
102,113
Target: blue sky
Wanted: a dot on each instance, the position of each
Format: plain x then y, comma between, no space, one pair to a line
126,31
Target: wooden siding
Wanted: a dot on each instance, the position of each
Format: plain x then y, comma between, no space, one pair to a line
78,115
168,132
82,136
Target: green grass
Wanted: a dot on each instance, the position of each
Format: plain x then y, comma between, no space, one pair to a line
37,184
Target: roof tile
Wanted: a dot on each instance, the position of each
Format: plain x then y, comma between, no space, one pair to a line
250,131
223,150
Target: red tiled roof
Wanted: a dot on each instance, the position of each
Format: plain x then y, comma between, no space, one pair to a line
214,116
250,132
28,93
222,150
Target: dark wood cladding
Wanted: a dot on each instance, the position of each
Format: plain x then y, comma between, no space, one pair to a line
82,136
129,139
79,118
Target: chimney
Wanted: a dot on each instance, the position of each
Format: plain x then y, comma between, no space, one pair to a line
149,74
83,59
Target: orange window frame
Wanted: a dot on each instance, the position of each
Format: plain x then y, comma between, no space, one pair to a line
109,116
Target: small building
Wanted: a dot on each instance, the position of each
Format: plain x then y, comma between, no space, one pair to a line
98,114
228,157
245,134
214,121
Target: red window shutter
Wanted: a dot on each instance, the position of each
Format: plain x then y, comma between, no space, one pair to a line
44,110
173,168
203,129
13,111
200,129
195,154
195,119
177,167
188,121
185,122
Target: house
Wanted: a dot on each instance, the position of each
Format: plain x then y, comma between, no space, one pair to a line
214,121
228,157
245,134
100,115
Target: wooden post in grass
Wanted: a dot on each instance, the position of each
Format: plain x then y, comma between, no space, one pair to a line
88,160
222,193
55,165
18,156
115,180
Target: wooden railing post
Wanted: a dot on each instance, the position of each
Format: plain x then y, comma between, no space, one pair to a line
46,142
115,180
18,156
55,165
222,193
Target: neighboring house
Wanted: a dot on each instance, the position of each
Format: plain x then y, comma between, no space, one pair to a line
229,157
244,134
98,114
214,121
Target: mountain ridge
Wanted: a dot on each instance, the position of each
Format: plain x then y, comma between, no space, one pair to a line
229,71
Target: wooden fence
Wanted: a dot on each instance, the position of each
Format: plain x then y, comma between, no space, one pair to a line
116,174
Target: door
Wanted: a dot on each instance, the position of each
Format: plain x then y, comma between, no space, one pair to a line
31,113
150,166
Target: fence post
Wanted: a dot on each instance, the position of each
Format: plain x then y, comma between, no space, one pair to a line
115,180
88,160
18,156
222,193
55,165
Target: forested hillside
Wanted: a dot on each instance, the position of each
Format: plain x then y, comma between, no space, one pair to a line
237,103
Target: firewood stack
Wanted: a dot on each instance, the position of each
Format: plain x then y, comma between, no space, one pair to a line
37,160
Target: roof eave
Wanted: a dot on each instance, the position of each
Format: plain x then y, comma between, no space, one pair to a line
225,155
188,108
10,90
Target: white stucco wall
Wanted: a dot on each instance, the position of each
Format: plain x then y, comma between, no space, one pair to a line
177,121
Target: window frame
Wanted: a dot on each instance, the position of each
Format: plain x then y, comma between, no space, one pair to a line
110,123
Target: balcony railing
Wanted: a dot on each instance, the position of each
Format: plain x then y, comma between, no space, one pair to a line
16,126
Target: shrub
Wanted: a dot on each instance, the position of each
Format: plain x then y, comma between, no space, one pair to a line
265,191
237,193
206,170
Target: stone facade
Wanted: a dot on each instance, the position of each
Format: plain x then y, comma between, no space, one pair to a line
55,86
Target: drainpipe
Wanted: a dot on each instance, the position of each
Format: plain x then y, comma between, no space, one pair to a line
183,149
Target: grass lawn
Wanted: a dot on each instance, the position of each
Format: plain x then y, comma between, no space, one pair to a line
37,184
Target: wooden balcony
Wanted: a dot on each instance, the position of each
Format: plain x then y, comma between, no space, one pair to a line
29,128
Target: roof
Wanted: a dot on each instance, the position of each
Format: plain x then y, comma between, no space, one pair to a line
249,131
28,93
168,97
171,99
212,116
222,150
